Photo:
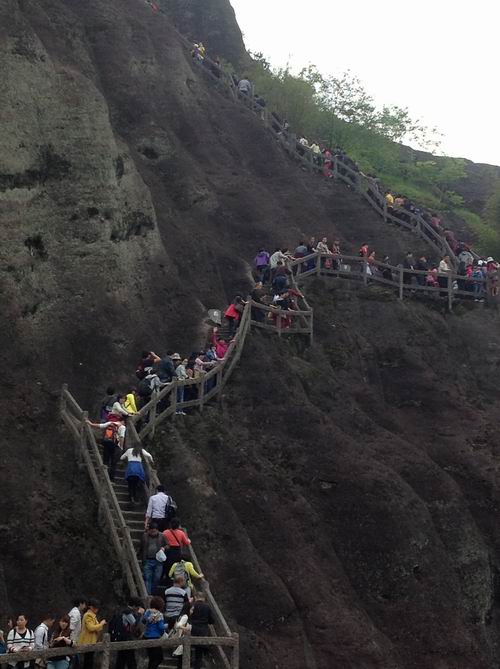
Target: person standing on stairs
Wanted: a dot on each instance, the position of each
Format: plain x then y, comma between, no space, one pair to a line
261,263
75,625
113,440
201,618
155,628
118,411
175,600
160,509
152,543
134,473
176,539
91,628
124,626
187,571
107,403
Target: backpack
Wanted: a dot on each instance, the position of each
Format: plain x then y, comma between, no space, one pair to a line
180,570
118,630
111,433
144,387
170,509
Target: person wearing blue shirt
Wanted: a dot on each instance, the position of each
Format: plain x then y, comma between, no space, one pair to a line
155,627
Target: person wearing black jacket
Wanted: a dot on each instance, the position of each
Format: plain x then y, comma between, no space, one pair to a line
422,266
201,618
126,627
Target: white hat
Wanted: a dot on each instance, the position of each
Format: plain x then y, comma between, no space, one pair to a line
490,259
176,356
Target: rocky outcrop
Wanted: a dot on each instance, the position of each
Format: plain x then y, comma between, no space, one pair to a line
345,498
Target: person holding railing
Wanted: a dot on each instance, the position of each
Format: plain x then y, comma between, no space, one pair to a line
220,344
18,639
134,473
113,440
234,313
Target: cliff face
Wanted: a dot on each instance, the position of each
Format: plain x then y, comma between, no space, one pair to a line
345,495
211,21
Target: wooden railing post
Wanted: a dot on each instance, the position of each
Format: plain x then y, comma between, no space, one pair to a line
450,291
186,652
365,271
62,405
173,396
318,264
401,282
201,392
235,656
357,183
83,440
278,323
106,653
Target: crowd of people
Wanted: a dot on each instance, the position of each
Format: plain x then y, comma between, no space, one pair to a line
479,277
177,612
398,205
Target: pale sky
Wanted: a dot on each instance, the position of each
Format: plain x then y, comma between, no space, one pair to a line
439,58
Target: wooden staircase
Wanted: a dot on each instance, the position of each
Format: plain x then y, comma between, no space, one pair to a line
123,523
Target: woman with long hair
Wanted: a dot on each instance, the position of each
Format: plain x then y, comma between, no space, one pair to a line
134,473
61,639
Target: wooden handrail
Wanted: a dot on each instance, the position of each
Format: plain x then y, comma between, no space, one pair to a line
229,641
108,503
314,161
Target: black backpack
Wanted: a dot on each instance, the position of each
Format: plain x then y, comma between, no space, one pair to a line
144,388
170,509
117,630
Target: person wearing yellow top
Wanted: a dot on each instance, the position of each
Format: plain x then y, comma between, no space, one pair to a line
389,198
91,629
130,404
187,571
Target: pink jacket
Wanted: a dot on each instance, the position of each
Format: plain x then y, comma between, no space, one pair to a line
221,346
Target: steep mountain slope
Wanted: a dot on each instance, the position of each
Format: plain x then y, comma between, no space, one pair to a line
356,484
132,196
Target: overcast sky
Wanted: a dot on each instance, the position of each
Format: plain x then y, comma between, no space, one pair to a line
439,58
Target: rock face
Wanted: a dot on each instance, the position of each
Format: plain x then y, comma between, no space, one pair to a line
345,500
211,21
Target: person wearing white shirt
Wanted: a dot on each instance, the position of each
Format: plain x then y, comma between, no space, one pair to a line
157,506
75,618
134,474
118,408
41,636
276,257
